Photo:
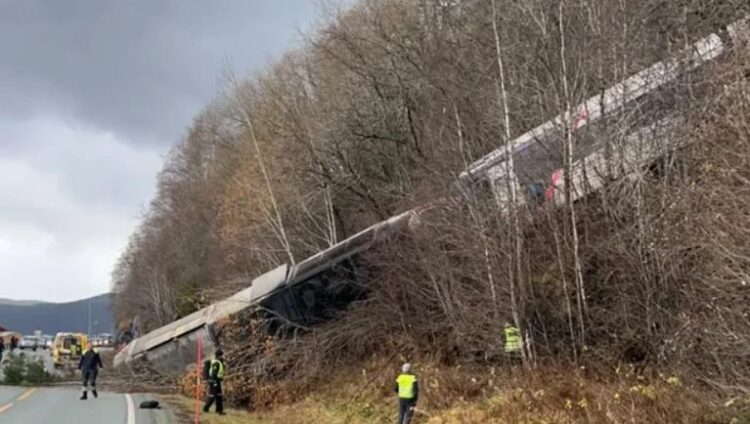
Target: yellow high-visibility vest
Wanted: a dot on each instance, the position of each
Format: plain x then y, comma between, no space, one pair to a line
406,386
512,339
220,372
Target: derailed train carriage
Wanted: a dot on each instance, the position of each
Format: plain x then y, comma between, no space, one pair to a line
307,293
645,107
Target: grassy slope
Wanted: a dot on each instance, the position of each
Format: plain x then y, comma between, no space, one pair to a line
492,396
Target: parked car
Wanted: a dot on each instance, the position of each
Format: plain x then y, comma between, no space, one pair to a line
47,341
28,342
102,340
106,340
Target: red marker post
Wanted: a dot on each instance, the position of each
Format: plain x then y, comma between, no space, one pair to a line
199,365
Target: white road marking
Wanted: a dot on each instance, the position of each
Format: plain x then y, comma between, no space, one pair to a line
131,409
5,407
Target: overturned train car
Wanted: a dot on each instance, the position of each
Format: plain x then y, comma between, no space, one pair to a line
304,294
646,106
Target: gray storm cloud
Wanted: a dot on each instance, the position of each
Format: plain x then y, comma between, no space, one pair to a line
93,94
141,67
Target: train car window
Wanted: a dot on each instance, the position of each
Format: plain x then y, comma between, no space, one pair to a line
535,191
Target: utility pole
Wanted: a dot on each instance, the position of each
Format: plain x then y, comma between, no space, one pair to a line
89,318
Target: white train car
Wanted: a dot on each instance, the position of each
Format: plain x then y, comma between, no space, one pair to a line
303,293
537,157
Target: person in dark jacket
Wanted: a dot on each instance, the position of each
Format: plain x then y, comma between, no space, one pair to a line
216,372
407,388
89,365
13,343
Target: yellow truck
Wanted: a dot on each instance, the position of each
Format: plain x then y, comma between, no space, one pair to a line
67,349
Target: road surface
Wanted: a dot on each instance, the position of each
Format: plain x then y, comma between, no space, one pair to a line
60,405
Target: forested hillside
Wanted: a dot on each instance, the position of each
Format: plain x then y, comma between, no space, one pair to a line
383,107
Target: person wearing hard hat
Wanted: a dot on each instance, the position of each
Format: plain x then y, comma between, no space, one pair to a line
215,377
89,365
407,389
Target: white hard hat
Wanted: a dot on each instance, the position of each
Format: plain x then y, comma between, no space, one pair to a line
406,367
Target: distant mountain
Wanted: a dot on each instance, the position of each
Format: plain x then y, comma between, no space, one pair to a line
27,316
19,302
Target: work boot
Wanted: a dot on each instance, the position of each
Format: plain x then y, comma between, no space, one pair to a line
96,395
84,396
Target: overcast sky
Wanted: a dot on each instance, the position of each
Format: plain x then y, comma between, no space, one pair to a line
93,93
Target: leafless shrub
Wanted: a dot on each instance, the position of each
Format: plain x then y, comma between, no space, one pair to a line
381,111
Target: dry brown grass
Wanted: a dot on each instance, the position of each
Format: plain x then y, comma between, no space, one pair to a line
460,395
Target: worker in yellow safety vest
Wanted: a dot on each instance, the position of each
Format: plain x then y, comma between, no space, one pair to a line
407,388
75,350
215,374
513,341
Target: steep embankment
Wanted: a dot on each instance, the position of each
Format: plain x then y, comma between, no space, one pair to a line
377,115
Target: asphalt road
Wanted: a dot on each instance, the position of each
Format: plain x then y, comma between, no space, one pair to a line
61,405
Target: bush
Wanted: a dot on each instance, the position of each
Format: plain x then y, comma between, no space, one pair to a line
20,370
13,370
